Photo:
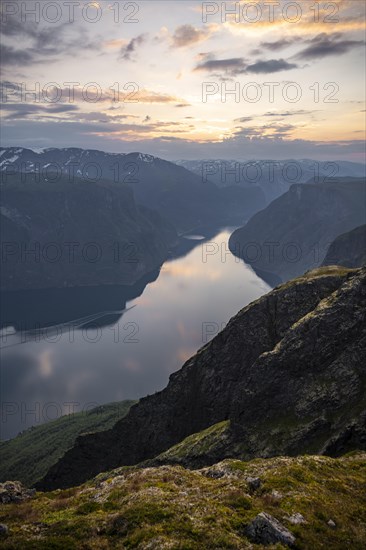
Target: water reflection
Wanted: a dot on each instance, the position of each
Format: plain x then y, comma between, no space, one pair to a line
112,343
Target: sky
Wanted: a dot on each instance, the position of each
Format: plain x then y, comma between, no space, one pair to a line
271,79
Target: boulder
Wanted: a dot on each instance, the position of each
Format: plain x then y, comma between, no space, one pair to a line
14,491
265,529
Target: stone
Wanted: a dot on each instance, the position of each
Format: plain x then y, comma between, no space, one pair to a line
253,483
331,524
296,519
14,491
265,529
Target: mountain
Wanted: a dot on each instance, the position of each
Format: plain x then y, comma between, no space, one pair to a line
180,196
274,177
29,456
67,234
348,249
293,233
287,372
307,502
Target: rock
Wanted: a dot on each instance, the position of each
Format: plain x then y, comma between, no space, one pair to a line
253,483
265,529
3,529
331,524
14,491
276,495
296,519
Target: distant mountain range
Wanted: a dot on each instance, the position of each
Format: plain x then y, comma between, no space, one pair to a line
274,177
179,195
293,233
283,378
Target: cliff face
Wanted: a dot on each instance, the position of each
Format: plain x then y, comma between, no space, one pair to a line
294,232
287,372
349,249
77,234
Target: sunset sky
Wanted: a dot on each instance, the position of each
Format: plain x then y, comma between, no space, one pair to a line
164,54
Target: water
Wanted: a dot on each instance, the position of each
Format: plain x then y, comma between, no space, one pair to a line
108,344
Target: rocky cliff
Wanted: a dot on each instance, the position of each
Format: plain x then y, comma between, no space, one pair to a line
287,373
293,233
349,249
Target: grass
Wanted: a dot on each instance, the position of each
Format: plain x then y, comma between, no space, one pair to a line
172,507
28,456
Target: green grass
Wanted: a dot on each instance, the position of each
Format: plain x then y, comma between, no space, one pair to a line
28,456
172,507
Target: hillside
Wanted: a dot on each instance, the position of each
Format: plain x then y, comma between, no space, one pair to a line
312,503
348,249
287,372
293,233
67,234
180,196
29,456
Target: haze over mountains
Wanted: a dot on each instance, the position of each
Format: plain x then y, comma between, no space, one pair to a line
274,177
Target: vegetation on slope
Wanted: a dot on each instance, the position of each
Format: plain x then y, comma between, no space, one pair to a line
171,507
28,456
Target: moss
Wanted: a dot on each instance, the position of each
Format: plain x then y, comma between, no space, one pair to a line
171,507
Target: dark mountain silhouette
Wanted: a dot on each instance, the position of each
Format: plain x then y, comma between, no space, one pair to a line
293,233
348,249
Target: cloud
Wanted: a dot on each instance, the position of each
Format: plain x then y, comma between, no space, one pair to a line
186,35
130,48
40,42
266,130
324,45
23,110
11,56
234,65
183,105
278,44
270,66
238,65
244,119
287,113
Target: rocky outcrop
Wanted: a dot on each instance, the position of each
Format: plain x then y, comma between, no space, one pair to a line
293,233
349,249
14,491
69,234
287,372
265,529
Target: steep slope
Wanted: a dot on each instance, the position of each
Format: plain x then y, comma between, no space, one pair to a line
65,234
180,196
286,371
319,502
293,233
29,456
348,249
